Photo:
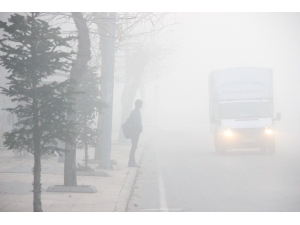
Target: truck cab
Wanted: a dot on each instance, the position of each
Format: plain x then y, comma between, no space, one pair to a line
241,109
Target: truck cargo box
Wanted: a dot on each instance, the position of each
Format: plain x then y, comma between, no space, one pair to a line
241,83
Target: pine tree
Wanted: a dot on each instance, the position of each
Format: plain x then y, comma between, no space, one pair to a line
33,51
88,106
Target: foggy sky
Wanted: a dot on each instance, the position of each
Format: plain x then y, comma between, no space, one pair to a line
212,41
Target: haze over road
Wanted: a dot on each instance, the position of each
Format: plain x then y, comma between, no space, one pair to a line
181,172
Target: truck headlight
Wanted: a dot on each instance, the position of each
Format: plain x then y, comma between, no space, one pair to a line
228,132
269,130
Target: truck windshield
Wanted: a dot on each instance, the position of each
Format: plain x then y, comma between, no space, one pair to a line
240,110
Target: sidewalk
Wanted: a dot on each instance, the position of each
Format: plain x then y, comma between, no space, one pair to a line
113,190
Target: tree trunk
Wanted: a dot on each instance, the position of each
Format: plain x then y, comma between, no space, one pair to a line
107,89
97,155
86,156
70,178
78,69
102,26
37,186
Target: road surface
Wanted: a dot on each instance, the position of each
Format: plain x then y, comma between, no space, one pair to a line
180,172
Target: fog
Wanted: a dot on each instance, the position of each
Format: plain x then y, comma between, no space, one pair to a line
191,176
176,112
213,41
203,42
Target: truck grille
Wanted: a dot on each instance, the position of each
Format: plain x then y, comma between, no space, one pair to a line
252,133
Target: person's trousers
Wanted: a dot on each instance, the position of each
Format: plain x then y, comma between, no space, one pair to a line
134,144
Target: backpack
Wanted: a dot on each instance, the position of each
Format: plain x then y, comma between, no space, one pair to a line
126,127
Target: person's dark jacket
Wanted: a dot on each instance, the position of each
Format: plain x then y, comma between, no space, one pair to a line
136,121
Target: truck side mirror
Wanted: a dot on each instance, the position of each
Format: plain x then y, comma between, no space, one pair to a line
278,116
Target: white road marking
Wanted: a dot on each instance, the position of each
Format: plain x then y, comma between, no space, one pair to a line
161,187
162,197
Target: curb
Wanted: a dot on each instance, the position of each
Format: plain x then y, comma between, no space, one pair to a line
77,189
127,188
125,194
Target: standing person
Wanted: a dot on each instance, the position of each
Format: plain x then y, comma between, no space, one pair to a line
135,121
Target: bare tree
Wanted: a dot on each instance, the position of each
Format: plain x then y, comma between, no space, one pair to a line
78,70
106,24
122,32
112,32
144,47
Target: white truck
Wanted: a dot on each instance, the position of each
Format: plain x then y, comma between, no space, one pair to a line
241,109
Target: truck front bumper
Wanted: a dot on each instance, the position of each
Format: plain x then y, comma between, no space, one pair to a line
247,138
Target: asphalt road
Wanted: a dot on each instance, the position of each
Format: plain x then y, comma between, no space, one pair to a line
180,172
